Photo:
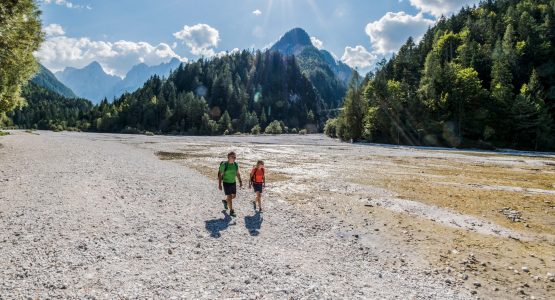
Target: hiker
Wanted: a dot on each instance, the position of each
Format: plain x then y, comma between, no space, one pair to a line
258,182
226,174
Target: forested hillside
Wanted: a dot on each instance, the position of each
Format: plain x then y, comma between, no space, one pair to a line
484,77
240,92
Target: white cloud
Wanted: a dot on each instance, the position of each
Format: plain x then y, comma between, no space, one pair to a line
53,30
200,38
66,3
390,32
358,57
316,42
441,7
257,12
60,51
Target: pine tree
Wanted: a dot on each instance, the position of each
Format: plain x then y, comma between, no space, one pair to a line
354,107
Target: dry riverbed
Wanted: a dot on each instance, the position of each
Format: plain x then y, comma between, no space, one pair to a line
134,216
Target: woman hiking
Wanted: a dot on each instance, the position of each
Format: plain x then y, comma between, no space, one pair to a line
258,182
226,174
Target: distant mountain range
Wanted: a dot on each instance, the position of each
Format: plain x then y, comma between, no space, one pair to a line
47,80
93,83
329,76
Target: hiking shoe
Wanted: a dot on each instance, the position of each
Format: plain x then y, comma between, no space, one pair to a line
225,204
232,213
260,209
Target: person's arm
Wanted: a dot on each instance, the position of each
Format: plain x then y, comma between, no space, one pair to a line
239,176
220,177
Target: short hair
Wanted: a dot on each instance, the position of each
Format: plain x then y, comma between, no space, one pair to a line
258,163
231,154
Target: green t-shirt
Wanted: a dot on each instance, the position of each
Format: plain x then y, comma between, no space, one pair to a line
230,172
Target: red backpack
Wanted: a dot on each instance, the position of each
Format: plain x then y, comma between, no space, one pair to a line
253,175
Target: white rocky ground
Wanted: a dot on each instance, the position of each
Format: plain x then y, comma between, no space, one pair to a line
97,216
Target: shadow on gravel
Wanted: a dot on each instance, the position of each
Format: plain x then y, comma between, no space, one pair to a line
217,225
253,223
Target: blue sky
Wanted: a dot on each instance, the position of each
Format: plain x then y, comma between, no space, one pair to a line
122,33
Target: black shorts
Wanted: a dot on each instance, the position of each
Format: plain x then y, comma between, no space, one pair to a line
230,188
257,187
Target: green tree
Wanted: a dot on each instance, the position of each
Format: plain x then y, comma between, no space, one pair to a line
352,115
274,128
20,36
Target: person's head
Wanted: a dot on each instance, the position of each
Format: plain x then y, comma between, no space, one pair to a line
231,156
260,164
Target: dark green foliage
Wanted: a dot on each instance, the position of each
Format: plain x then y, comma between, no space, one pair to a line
482,78
47,80
51,111
223,95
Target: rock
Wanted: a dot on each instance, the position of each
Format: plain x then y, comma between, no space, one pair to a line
525,269
473,292
448,281
464,277
477,284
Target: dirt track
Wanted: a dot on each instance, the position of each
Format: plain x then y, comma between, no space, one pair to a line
103,216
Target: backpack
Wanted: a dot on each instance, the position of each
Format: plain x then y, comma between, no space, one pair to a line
253,175
225,163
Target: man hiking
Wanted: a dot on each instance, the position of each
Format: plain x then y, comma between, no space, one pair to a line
227,173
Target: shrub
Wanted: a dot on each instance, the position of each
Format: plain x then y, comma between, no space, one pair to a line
130,130
303,131
330,129
274,128
256,130
294,131
149,133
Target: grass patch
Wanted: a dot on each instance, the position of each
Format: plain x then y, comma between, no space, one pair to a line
4,133
163,155
474,189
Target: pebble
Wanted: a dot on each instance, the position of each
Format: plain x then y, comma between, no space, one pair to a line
525,269
477,284
170,251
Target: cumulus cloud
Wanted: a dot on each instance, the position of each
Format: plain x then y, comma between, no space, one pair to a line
53,30
60,51
358,57
200,38
441,7
66,3
316,42
257,12
390,32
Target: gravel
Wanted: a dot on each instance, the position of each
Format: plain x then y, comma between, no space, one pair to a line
93,216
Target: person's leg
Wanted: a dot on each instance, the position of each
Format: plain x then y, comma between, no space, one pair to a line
259,200
230,202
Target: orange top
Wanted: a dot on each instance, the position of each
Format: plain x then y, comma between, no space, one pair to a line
257,175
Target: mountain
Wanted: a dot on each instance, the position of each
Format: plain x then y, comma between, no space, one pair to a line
90,82
139,74
328,76
44,78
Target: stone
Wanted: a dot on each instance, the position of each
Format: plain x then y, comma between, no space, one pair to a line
477,284
525,269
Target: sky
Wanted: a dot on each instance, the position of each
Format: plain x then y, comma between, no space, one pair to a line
120,34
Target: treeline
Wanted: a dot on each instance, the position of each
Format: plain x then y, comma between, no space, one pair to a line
482,78
239,92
